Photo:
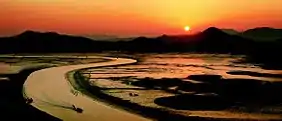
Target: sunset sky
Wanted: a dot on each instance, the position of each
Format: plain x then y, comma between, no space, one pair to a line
135,17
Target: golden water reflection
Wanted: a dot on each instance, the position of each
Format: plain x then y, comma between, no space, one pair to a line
182,65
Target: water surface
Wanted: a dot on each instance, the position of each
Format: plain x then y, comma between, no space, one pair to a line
175,65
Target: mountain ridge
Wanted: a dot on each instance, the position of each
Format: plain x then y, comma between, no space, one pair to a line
211,40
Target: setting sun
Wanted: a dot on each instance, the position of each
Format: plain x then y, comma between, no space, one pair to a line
129,18
187,28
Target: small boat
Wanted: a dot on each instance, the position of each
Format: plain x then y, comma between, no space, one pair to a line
29,100
78,110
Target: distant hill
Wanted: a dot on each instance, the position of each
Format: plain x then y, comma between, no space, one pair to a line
263,34
211,40
107,38
230,31
100,37
36,42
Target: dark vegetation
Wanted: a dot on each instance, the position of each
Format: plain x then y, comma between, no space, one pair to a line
12,103
215,93
212,40
256,74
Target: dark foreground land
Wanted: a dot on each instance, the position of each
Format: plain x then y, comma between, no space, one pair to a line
12,103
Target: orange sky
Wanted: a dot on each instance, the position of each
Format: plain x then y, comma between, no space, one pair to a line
135,17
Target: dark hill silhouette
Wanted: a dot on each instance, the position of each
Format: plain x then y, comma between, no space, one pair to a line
212,40
215,40
266,47
36,42
263,34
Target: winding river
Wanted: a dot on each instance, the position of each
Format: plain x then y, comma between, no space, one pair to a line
51,92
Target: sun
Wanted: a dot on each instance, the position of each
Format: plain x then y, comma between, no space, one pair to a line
187,28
